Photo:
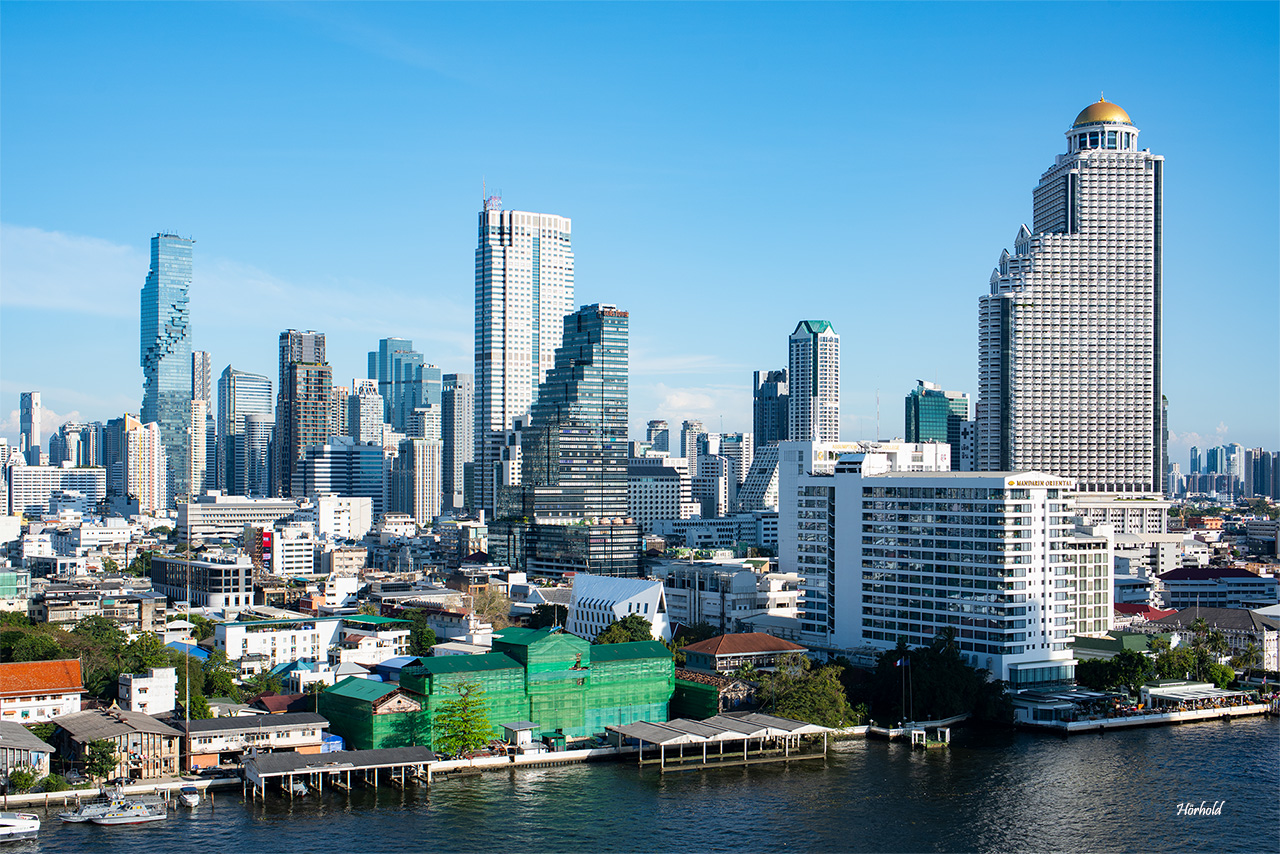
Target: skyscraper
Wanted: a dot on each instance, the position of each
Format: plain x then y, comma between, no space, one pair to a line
1194,463
405,380
240,394
574,454
364,412
934,415
524,289
201,378
813,388
769,407
458,418
1069,335
29,424
658,434
303,407
415,480
166,353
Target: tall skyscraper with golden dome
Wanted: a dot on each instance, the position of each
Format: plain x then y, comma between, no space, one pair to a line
1069,341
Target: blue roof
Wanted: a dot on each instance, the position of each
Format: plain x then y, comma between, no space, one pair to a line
193,651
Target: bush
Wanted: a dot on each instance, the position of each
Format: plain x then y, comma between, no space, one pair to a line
22,778
55,783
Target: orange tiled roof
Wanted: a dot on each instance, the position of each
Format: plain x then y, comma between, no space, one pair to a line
46,677
745,642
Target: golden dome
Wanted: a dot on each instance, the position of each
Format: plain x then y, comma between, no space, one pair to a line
1102,111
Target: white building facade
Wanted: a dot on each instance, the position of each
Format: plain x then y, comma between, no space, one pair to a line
1069,338
152,693
813,407
599,600
524,290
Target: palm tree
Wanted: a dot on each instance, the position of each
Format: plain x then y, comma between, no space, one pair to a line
1246,658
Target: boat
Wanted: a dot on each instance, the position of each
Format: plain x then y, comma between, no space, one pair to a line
297,788
18,825
132,812
189,796
86,812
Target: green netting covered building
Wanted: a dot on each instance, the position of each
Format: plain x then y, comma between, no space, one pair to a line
553,679
370,715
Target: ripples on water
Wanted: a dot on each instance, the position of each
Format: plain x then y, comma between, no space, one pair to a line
992,791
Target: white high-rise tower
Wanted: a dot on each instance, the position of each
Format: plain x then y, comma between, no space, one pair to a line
813,407
1069,336
524,289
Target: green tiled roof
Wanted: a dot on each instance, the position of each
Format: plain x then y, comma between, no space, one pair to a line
356,688
464,663
522,637
621,651
373,619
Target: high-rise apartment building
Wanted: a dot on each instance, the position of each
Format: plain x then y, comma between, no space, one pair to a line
690,430
303,406
457,432
813,388
342,467
166,353
658,434
29,416
196,462
1069,338
935,415
524,290
146,470
114,448
253,455
365,412
769,407
201,376
240,394
1194,462
415,480
338,409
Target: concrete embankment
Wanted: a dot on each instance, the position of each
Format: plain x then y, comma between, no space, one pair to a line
1158,719
166,788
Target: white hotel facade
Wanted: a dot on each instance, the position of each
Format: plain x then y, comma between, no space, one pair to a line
996,557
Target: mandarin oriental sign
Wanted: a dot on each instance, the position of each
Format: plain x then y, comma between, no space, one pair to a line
1065,484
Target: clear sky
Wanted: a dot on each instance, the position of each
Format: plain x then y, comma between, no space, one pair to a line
729,169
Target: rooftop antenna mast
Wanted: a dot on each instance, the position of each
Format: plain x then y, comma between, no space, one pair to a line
877,414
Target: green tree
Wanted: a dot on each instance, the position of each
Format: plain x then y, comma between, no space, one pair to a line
629,629
1247,658
37,647
462,724
201,627
421,636
548,614
100,759
140,565
368,609
44,732
219,676
109,566
1095,673
1221,675
1157,644
55,783
1130,669
262,683
145,651
199,709
22,778
100,632
797,690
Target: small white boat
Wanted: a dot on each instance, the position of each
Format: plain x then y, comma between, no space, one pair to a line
86,812
18,825
132,812
298,789
189,796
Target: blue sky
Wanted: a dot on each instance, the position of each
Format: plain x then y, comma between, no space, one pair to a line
729,169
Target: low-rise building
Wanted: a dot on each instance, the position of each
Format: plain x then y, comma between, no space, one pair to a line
218,740
598,600
1239,626
133,611
727,653
756,529
33,692
155,693
355,638
146,748
1219,587
216,580
724,593
20,749
216,515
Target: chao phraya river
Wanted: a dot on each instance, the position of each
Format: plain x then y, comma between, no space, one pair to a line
992,791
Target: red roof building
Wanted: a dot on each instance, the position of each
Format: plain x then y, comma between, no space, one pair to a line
727,653
40,691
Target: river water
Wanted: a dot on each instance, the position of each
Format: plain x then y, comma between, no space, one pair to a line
992,791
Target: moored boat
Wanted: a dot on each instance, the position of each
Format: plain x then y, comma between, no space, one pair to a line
18,825
132,812
189,796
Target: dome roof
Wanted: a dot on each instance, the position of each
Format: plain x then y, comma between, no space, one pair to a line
1102,111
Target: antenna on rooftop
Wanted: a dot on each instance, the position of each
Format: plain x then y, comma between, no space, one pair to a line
877,414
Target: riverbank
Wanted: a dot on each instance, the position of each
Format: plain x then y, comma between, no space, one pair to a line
1151,719
166,787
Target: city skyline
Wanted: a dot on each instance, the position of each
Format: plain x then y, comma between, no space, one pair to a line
66,261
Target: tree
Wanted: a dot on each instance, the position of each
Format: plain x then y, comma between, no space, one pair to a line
140,565
629,629
548,614
368,609
101,632
55,783
219,676
1220,674
262,683
1130,669
1247,658
201,627
109,566
22,778
100,759
421,636
493,606
199,709
37,647
144,652
799,691
462,724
